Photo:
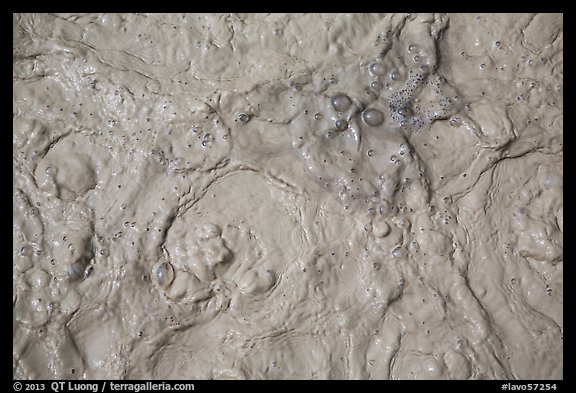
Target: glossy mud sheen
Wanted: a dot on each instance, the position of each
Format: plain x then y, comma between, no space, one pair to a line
189,203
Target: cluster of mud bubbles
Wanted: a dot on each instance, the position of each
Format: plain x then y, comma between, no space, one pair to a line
355,139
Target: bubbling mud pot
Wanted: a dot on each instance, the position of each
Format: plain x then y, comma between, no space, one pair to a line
283,196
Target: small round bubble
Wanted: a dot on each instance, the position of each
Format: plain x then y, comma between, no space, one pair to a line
377,69
373,117
341,102
404,112
398,252
376,85
341,124
317,116
26,251
164,274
